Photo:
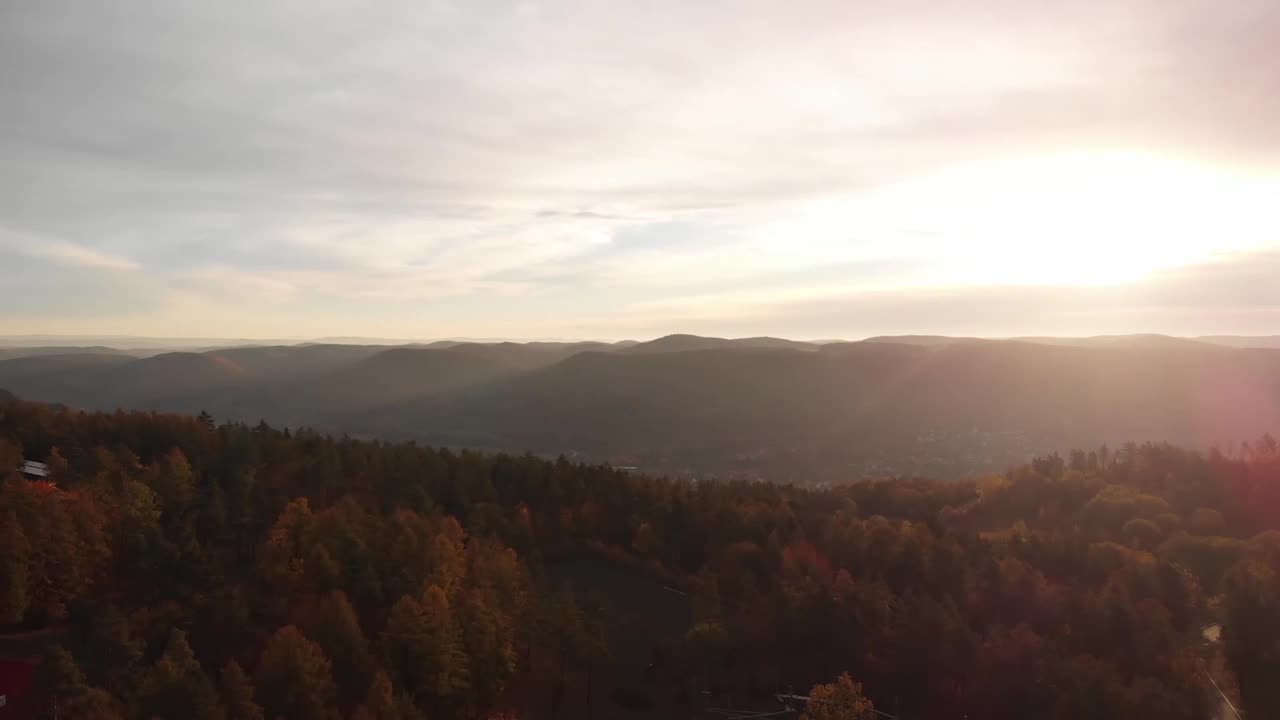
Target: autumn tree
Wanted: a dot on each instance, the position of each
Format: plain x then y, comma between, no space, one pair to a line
174,481
1251,633
66,547
294,679
336,629
176,686
237,694
489,641
110,643
61,691
383,703
15,589
840,700
281,561
425,649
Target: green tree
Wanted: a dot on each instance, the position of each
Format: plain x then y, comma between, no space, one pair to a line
1207,521
1251,634
281,559
58,466
294,679
446,555
174,481
176,686
562,640
489,640
1142,533
334,626
15,565
237,694
10,456
424,647
383,703
62,692
111,645
57,679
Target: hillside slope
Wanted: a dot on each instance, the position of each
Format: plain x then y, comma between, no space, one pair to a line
727,407
862,407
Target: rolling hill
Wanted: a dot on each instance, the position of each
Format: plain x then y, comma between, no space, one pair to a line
862,407
1243,341
755,407
686,343
299,384
8,353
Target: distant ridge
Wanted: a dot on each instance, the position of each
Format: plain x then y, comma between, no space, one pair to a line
1243,341
686,343
24,345
1148,340
925,340
8,353
759,406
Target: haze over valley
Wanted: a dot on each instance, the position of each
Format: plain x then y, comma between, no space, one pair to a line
755,408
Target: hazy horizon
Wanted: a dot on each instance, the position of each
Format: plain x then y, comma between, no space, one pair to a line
145,342
566,169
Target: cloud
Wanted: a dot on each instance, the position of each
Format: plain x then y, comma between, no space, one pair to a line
63,252
521,161
80,255
1233,294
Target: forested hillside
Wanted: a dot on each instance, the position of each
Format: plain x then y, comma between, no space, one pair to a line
176,568
749,408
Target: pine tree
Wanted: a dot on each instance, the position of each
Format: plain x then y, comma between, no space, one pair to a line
61,691
489,639
425,647
1251,635
176,686
237,694
295,679
334,626
111,645
383,703
174,481
15,591
58,675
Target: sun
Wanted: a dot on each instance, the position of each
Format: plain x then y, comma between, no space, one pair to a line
1068,219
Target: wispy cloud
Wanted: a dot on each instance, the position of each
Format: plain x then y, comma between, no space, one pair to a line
418,165
86,256
64,252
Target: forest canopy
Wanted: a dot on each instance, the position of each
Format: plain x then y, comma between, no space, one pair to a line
182,568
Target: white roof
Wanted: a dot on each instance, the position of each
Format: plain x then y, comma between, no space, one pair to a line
31,467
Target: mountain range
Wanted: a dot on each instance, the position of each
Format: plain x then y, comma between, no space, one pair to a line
751,407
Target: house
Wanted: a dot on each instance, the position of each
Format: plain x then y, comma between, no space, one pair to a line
15,685
34,470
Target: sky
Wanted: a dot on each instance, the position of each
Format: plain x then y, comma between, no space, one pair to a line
584,169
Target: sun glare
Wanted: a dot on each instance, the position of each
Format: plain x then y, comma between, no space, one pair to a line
1068,219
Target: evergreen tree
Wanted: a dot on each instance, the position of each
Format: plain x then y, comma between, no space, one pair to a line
15,592
237,694
424,647
383,703
294,679
61,692
1251,633
176,686
334,626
